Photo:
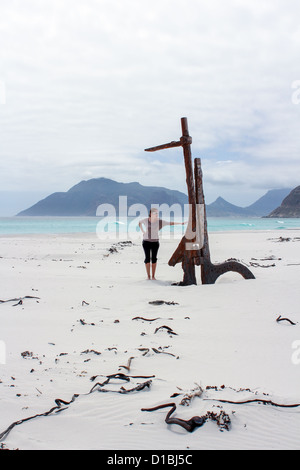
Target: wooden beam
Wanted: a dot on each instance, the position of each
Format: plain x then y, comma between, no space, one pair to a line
183,253
164,146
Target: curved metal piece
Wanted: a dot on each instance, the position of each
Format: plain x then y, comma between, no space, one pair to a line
210,272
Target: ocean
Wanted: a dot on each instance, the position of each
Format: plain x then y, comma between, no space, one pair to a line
65,225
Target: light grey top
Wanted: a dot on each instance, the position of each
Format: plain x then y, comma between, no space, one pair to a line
152,229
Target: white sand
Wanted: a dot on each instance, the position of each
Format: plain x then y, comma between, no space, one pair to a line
227,334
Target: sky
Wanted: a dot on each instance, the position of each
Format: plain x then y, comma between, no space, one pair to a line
86,86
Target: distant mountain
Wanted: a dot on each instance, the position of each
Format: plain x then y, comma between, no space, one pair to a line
290,206
222,208
84,198
268,202
263,206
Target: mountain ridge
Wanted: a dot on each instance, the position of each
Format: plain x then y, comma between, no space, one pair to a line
289,207
83,199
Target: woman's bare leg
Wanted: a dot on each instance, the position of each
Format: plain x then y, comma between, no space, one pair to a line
153,270
148,270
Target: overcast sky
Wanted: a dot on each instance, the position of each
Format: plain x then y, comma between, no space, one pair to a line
87,85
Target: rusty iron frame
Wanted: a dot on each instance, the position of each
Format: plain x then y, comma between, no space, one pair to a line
189,252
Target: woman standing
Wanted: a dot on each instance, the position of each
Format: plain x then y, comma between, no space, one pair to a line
150,228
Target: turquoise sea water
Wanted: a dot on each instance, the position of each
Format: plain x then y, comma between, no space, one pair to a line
60,225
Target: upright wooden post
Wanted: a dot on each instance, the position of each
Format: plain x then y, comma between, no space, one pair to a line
209,271
188,255
200,201
186,144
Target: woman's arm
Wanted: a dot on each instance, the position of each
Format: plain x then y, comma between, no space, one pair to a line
141,226
177,223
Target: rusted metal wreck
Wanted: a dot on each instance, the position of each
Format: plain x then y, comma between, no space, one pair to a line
193,249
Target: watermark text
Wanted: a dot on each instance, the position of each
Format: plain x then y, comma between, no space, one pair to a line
2,92
122,222
296,93
296,353
2,353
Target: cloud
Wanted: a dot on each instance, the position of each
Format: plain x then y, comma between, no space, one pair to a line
229,174
90,84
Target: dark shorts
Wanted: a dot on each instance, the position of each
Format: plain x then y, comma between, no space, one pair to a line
150,249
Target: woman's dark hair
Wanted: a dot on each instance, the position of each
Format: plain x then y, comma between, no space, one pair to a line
153,209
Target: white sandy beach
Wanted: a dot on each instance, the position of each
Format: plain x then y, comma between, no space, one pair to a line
82,324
